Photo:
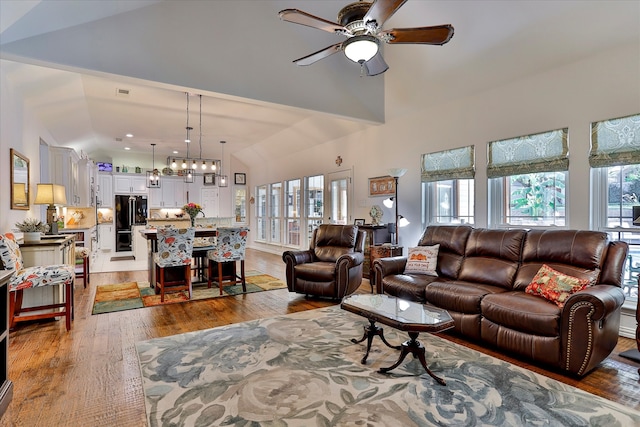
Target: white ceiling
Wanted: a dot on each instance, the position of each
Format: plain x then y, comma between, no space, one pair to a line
68,58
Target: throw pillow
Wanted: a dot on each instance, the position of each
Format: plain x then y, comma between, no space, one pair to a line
422,260
555,286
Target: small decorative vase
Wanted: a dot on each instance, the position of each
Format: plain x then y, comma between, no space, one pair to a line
193,221
32,236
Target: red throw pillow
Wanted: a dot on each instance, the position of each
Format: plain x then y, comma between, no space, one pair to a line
555,286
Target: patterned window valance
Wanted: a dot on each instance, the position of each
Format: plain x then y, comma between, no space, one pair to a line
615,142
541,152
449,164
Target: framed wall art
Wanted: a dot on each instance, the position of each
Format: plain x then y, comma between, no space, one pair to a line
382,186
240,178
359,221
209,179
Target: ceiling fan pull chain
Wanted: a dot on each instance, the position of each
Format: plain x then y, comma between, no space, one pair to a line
362,69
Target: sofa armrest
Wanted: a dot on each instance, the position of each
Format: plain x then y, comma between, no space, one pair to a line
351,259
590,327
604,299
383,267
297,257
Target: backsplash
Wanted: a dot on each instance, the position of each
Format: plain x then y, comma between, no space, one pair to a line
79,217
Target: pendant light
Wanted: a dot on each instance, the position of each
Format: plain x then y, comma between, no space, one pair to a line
223,178
153,176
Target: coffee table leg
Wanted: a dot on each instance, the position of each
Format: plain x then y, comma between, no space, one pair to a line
416,348
371,331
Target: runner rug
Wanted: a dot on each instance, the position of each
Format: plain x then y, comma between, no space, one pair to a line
302,370
131,295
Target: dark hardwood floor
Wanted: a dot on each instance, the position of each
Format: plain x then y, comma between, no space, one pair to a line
90,375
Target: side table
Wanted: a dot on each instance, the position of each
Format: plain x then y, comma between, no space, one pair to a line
381,251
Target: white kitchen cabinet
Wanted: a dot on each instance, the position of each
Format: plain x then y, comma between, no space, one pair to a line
171,194
86,184
106,238
139,243
105,190
129,184
64,171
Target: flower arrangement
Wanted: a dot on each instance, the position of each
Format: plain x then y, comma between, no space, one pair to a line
192,209
32,225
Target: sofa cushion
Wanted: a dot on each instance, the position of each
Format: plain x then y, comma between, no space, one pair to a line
407,286
422,260
522,312
555,286
452,240
462,297
492,257
316,271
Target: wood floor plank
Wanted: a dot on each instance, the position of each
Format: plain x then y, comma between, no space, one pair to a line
90,375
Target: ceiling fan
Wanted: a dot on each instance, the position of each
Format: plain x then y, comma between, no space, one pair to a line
361,23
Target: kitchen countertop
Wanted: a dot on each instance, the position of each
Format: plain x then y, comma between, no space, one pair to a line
49,240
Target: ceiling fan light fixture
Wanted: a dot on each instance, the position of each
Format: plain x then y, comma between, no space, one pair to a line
361,48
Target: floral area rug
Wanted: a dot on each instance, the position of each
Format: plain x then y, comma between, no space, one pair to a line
131,295
303,370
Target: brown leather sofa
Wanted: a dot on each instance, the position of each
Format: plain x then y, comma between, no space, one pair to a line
482,276
331,267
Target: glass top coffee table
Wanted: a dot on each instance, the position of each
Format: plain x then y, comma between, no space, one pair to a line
408,316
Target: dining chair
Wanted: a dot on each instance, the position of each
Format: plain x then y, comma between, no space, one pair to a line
231,244
35,277
175,251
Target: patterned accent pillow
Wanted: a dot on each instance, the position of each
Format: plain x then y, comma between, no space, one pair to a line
555,286
422,260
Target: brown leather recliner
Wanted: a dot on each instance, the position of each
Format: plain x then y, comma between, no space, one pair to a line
331,267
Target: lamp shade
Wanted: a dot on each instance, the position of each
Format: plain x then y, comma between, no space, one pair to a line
50,194
397,172
360,48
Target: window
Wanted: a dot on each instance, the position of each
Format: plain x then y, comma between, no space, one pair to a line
275,220
527,178
615,188
292,206
314,203
261,212
448,187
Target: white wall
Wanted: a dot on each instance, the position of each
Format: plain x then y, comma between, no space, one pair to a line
21,131
603,86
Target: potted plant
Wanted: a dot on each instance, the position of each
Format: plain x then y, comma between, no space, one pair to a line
32,228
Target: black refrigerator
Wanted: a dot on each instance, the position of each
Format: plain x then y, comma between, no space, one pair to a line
130,211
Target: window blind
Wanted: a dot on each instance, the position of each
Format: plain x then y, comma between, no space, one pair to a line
457,163
541,152
615,142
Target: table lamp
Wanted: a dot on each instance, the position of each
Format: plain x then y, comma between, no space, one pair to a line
52,195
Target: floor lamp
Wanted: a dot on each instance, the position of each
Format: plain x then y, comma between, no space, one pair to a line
51,195
400,221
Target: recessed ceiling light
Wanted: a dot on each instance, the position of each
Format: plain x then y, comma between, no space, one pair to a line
127,148
175,151
129,135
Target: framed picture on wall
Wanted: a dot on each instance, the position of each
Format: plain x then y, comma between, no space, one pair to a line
209,179
382,186
240,178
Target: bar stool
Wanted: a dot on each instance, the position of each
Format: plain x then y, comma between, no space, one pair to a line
34,277
175,249
230,247
82,264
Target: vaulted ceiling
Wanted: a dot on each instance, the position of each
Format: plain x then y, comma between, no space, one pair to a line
71,61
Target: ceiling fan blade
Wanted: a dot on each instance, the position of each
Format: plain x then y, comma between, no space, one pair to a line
381,10
376,65
303,18
321,54
439,34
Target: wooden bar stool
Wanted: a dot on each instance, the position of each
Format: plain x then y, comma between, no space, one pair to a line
35,277
175,250
230,247
82,264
